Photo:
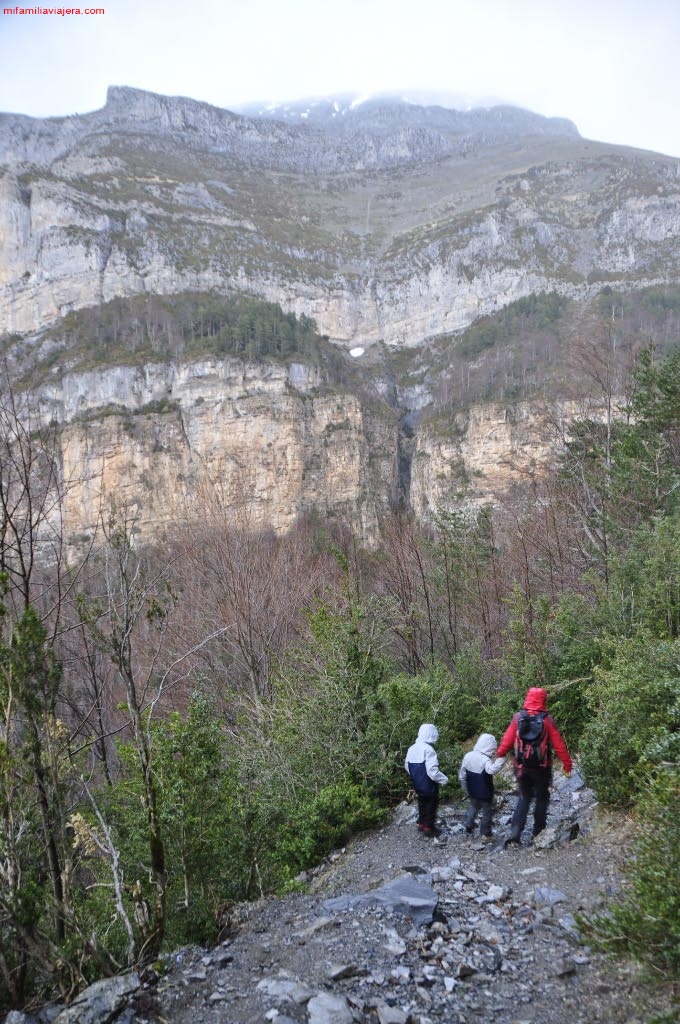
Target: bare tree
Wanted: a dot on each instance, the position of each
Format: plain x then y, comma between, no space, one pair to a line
406,583
248,580
36,784
131,623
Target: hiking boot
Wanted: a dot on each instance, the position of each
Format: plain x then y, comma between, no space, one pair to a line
469,829
512,840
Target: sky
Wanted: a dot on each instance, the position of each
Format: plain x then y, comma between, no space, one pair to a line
610,66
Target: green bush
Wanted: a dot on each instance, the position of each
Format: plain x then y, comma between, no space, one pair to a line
568,705
501,710
402,703
646,580
554,645
635,723
646,923
313,732
200,810
321,823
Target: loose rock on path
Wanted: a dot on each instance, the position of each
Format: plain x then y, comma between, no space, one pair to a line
401,929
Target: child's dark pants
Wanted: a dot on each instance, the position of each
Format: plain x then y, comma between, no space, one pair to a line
427,809
485,809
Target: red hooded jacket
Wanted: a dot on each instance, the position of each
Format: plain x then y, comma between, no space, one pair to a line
536,700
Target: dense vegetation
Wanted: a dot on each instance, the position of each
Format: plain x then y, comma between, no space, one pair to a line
541,344
189,325
546,344
186,727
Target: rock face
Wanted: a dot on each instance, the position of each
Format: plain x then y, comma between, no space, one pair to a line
265,436
490,451
391,223
388,223
272,442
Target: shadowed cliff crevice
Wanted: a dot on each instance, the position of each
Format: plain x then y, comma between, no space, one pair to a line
403,461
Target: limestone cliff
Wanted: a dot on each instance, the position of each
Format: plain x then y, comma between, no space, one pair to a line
265,439
395,225
270,442
392,226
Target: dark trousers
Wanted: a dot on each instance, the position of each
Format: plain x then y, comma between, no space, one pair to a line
427,808
533,785
486,809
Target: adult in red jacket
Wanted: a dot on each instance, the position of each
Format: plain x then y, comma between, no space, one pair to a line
534,783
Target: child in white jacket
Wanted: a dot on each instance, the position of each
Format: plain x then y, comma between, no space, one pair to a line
422,764
476,778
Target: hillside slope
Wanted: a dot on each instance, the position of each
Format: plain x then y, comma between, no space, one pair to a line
497,937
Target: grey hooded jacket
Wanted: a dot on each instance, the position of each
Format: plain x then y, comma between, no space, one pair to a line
478,766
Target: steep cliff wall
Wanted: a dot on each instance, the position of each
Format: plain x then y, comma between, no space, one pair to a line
266,440
399,225
271,442
484,454
394,227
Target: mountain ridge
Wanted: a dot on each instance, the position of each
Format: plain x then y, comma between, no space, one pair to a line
389,238
157,113
378,135
397,232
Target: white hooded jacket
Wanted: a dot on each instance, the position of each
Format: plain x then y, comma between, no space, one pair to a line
421,760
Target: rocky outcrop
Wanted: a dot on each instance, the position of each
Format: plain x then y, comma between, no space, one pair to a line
395,223
483,454
268,440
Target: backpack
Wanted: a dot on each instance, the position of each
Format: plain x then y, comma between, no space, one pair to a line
531,742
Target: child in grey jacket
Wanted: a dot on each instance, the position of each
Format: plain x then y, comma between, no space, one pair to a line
476,778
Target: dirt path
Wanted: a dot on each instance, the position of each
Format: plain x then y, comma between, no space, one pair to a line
502,946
